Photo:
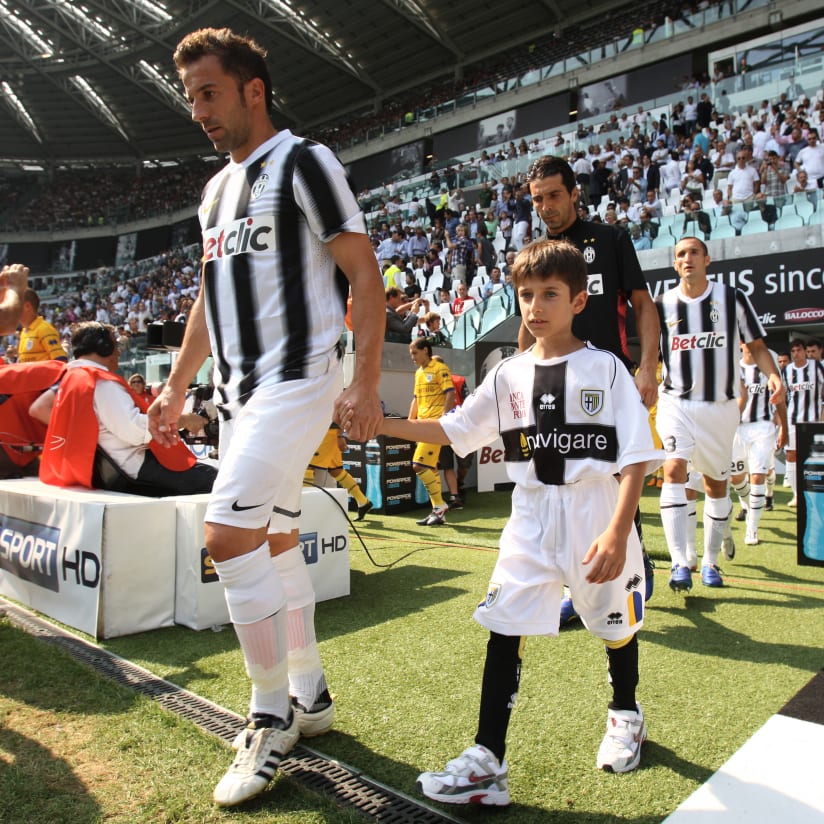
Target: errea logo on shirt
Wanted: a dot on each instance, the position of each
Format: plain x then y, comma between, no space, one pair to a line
249,234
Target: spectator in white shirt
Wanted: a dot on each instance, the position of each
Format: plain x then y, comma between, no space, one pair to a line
743,182
811,158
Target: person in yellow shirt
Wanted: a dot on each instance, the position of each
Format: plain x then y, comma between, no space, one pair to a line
39,340
329,456
434,397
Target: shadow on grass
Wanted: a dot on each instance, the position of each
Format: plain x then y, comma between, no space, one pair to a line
714,639
375,598
35,785
29,676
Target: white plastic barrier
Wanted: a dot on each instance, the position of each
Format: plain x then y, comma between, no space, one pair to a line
324,537
101,562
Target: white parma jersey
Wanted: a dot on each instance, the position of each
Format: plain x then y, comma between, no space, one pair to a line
700,341
274,297
563,420
757,405
805,391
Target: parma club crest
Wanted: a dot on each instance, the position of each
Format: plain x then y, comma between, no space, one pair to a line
491,596
592,401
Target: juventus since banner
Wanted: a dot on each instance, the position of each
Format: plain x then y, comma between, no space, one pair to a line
784,289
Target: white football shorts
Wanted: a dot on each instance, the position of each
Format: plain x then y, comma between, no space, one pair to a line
265,447
757,441
542,546
698,432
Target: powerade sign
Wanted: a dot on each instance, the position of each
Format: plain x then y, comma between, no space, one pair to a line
784,289
30,551
314,546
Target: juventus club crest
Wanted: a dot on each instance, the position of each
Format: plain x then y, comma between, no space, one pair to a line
715,315
592,401
589,254
260,186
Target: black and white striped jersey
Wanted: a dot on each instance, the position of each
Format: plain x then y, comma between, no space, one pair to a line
700,341
274,297
805,391
568,419
757,406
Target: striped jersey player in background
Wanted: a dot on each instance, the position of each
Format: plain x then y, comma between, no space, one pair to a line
804,378
702,325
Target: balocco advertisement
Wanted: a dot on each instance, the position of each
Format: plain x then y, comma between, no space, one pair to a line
785,290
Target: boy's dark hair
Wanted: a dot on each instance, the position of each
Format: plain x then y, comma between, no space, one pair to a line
430,316
422,343
239,56
549,166
551,258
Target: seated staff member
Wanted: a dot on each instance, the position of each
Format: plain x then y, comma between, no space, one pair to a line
22,434
95,407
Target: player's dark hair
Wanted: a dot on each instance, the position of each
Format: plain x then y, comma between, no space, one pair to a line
240,57
551,258
549,166
91,337
798,342
422,343
698,241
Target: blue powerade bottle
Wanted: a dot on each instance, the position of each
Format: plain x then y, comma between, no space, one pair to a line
813,474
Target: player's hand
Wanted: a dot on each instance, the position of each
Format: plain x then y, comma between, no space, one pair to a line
358,412
783,438
15,276
778,393
164,416
647,384
606,558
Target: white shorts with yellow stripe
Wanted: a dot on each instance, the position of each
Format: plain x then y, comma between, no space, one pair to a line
542,547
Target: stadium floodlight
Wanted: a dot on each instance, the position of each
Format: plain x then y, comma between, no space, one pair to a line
90,24
171,91
308,29
11,18
19,110
154,10
99,104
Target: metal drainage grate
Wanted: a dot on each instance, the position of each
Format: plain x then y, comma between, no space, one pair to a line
312,769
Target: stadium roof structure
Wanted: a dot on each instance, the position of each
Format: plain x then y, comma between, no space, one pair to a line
91,81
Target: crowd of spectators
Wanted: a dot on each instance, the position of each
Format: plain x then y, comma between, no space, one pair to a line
396,112
162,288
637,171
73,198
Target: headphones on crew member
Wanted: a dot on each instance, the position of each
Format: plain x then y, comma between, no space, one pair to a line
99,340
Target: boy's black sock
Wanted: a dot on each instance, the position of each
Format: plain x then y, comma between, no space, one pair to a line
623,675
502,674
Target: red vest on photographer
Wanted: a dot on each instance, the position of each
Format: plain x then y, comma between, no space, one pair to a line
71,439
